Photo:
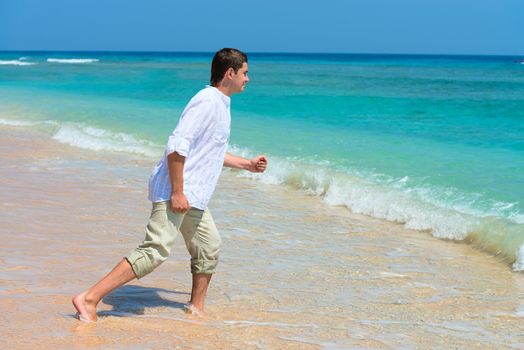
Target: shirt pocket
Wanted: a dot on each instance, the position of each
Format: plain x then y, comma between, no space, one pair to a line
221,134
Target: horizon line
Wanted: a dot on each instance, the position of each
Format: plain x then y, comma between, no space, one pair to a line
271,53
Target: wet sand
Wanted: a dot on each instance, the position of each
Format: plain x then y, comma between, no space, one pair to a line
294,272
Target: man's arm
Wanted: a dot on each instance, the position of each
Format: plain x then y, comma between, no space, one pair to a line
175,164
255,165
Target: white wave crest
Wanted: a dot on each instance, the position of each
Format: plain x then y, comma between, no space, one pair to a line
72,60
13,122
393,205
420,207
518,265
9,122
88,137
16,63
365,197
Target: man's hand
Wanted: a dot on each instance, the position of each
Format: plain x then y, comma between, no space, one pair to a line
175,163
257,164
179,203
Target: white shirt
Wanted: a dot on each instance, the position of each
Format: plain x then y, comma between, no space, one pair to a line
201,136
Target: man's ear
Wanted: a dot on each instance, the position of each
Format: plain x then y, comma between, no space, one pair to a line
229,72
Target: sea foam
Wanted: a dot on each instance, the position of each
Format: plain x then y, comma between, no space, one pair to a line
96,139
10,122
416,207
72,60
518,265
444,213
14,122
88,137
16,63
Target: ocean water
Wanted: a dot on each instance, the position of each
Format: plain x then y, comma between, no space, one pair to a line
433,142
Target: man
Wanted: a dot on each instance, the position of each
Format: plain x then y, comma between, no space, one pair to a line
180,187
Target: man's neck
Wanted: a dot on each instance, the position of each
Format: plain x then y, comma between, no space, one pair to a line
224,90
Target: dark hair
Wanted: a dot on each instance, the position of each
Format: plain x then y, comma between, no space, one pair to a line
223,60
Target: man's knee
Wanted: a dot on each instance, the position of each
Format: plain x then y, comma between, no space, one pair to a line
210,250
201,266
205,259
144,262
161,232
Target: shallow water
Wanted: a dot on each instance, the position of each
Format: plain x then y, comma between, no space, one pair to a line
294,272
433,142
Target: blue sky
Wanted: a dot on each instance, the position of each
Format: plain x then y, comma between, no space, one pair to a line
352,26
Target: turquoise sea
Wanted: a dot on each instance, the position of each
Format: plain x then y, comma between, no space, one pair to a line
433,142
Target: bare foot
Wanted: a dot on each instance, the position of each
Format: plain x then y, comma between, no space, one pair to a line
86,310
191,309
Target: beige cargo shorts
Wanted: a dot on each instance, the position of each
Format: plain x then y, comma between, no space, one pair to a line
196,226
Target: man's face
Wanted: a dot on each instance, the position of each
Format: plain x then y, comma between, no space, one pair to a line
240,78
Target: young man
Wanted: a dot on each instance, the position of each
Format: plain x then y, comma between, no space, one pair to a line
181,186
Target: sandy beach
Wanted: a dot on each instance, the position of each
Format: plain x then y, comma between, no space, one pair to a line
294,272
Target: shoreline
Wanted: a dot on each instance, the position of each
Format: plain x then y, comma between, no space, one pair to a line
294,272
487,231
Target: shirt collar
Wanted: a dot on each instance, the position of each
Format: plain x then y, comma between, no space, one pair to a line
224,98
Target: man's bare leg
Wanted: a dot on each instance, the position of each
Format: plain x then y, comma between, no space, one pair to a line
86,302
199,290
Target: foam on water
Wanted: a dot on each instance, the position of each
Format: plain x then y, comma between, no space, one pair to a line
275,324
72,60
440,211
88,137
518,265
14,122
16,63
391,151
96,139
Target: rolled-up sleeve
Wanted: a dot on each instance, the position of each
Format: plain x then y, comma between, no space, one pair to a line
194,120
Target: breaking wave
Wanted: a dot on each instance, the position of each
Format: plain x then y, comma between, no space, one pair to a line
72,60
96,139
19,62
496,227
